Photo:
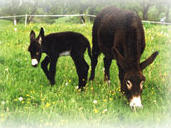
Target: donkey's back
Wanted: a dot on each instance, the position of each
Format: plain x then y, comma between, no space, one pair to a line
66,41
127,24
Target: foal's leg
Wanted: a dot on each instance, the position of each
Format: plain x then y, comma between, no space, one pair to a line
107,64
82,70
95,54
44,66
52,69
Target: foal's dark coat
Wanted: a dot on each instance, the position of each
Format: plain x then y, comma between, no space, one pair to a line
56,44
119,35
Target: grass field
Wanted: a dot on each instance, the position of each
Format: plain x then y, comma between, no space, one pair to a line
27,99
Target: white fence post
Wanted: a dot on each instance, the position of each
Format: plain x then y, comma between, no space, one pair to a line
26,20
15,21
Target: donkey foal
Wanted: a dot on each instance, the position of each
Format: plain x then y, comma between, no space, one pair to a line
60,44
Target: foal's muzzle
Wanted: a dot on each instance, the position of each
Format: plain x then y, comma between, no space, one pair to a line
34,62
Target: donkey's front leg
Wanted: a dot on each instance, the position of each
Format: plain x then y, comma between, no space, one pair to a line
121,77
52,69
44,66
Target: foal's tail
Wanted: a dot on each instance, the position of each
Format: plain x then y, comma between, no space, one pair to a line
87,46
89,50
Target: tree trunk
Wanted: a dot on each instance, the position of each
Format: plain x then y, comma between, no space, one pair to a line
30,18
145,12
92,12
82,18
146,4
167,13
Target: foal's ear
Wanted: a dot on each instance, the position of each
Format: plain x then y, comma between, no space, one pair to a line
41,32
149,61
32,35
41,36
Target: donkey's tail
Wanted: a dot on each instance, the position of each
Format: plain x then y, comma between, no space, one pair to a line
89,51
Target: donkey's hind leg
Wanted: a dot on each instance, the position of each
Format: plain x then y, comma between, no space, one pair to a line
107,64
52,69
82,69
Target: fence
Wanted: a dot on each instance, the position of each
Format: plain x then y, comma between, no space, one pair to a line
75,15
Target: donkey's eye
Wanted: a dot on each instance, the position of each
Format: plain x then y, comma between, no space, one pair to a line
141,84
129,84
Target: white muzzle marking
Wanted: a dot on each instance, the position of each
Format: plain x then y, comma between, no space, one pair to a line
34,62
136,102
66,53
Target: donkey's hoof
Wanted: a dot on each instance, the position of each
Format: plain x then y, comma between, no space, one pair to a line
107,81
80,88
52,83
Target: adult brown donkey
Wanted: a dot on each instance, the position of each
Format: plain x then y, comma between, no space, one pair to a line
119,35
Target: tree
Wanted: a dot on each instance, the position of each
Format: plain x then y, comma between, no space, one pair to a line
32,10
19,7
146,4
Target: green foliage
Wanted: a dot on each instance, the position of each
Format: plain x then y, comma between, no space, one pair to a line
68,20
72,20
155,9
26,96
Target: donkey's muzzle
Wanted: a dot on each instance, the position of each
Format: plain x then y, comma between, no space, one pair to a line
135,102
34,62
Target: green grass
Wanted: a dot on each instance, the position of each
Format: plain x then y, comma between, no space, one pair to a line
63,105
4,23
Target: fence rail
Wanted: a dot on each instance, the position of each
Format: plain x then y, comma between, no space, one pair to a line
74,15
155,22
6,17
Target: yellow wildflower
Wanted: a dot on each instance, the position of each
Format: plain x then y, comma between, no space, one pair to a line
27,95
95,110
105,100
110,99
47,105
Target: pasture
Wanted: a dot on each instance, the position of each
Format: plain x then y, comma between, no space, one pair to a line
26,96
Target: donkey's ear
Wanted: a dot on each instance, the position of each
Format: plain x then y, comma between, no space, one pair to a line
119,57
41,32
41,36
32,35
148,61
40,40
